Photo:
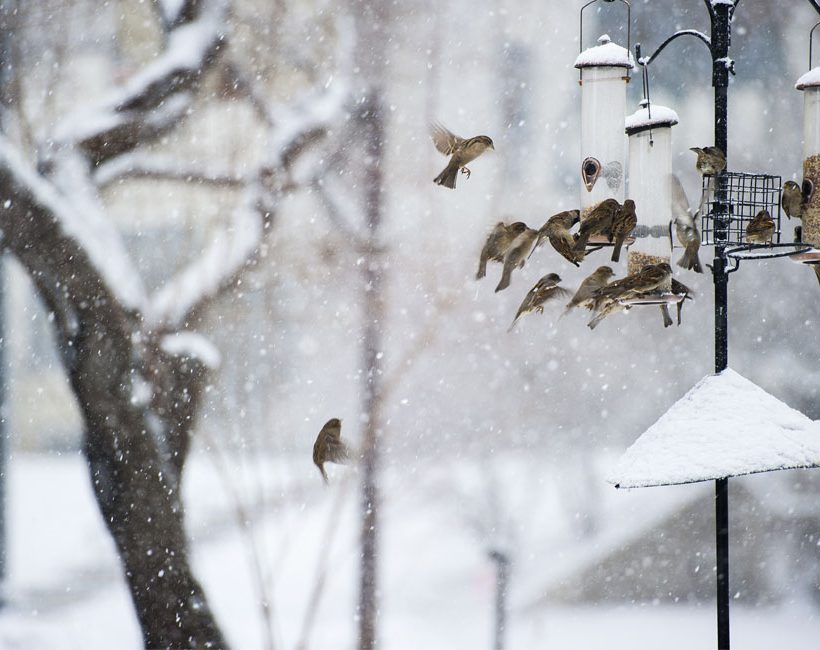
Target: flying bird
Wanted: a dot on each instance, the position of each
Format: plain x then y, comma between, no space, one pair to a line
545,289
516,255
686,227
497,244
792,200
600,277
760,229
623,224
329,446
557,230
460,150
599,222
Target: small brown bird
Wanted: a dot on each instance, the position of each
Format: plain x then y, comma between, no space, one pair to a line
461,151
600,277
516,255
760,229
679,288
816,268
556,229
599,222
623,224
497,244
544,290
648,279
711,160
686,227
792,200
329,447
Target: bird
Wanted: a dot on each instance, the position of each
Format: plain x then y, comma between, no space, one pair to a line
649,278
600,277
329,446
598,222
461,151
686,227
623,224
792,200
711,160
498,241
760,229
516,255
679,288
544,290
667,319
556,229
816,268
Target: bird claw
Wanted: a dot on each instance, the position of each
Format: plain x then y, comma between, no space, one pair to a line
464,170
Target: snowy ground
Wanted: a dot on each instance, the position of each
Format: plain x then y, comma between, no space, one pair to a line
64,588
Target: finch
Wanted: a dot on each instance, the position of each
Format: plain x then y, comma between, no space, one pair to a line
792,200
649,278
329,447
686,228
622,225
599,222
516,255
556,229
600,277
460,150
711,160
544,290
760,229
497,244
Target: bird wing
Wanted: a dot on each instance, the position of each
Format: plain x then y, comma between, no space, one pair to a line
680,203
444,139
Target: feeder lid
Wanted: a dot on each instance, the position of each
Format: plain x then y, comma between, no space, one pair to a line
606,54
809,80
640,120
724,426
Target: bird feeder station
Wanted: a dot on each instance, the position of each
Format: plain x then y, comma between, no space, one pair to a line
650,164
809,84
604,71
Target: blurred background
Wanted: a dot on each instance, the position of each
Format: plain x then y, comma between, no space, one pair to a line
490,441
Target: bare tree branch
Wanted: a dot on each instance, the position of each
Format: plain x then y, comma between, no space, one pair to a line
152,167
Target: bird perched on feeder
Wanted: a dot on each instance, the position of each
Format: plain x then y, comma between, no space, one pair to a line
792,200
556,229
461,151
607,299
761,228
497,244
685,227
329,446
599,222
711,160
600,277
544,290
623,224
516,255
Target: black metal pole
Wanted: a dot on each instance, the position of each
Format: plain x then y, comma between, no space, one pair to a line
502,563
721,34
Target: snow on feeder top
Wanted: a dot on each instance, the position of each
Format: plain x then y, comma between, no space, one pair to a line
809,83
604,75
650,165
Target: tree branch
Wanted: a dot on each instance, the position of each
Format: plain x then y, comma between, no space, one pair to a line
136,165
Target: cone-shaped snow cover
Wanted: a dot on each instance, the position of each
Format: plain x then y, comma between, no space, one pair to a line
725,426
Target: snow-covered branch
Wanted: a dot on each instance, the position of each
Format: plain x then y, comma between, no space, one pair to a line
152,166
157,97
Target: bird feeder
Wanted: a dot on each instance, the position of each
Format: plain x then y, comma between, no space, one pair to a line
809,83
604,75
650,165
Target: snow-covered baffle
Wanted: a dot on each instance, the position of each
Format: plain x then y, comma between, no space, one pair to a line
724,426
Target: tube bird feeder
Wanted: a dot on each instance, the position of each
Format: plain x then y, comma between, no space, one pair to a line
809,84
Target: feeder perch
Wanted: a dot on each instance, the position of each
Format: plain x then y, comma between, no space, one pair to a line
663,298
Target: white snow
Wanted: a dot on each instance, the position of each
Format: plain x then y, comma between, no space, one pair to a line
605,54
191,344
809,80
661,116
724,426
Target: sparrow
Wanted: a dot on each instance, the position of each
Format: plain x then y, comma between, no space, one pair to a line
760,229
556,229
792,200
498,241
679,288
461,151
600,277
685,227
599,222
329,447
516,255
544,290
649,278
622,225
711,160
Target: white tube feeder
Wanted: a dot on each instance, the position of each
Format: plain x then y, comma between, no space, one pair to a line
604,75
809,83
650,164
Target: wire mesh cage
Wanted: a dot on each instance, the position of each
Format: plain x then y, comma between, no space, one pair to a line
731,200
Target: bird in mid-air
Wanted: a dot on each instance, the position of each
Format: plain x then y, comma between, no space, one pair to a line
686,228
585,295
460,150
544,290
760,229
329,446
557,230
498,243
516,256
